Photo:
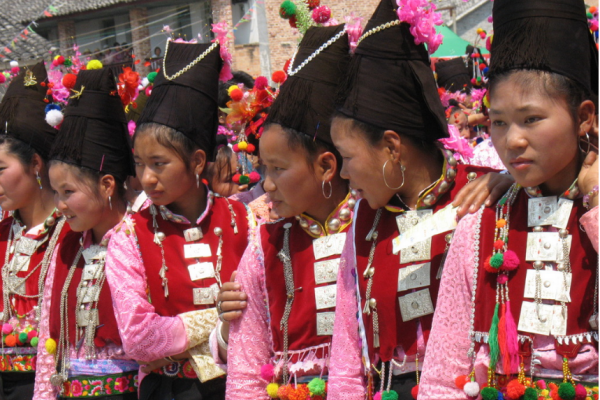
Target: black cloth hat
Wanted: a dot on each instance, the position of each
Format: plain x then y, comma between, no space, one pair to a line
94,132
306,100
22,111
453,75
546,35
188,102
390,84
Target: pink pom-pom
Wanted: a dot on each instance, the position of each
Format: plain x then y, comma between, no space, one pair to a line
254,177
131,127
236,148
7,328
541,384
502,279
31,334
148,91
511,261
580,392
15,70
377,396
2,78
267,372
321,14
261,83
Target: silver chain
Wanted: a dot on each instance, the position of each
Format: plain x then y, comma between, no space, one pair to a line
288,273
371,304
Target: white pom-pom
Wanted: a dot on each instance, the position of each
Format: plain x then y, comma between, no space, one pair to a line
145,82
14,64
54,117
471,389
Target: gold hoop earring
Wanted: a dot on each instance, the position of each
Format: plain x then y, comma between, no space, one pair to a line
323,190
402,169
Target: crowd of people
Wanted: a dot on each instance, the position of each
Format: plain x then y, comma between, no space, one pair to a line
363,225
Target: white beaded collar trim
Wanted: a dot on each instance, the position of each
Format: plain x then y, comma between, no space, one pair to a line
294,71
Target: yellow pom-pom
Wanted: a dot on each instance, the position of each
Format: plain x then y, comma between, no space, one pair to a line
242,145
51,346
231,89
479,30
272,389
94,64
486,101
545,393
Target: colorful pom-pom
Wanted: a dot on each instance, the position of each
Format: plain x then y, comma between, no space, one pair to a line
316,3
244,180
541,384
272,389
7,328
414,392
10,340
510,260
34,341
15,70
152,76
267,372
254,177
488,267
23,337
389,395
321,14
2,78
502,279
31,334
566,391
489,393
530,394
377,396
498,244
261,83
284,391
279,77
236,94
515,389
242,145
250,148
50,346
580,392
94,64
497,260
293,22
54,117
14,63
471,389
235,148
301,392
501,223
461,381
316,387
287,9
236,178
60,60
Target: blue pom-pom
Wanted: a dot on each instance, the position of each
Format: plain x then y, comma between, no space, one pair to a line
52,107
485,70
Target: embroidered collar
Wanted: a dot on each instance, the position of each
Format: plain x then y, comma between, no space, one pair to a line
168,215
336,222
432,193
38,231
571,193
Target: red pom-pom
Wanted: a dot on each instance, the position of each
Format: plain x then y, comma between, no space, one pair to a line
313,3
48,92
60,60
498,244
515,389
261,83
267,372
69,80
250,148
236,178
482,66
279,77
511,261
461,381
235,148
236,95
414,392
31,334
15,70
2,78
293,22
487,266
321,14
254,177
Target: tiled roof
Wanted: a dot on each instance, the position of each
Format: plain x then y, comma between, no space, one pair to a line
31,49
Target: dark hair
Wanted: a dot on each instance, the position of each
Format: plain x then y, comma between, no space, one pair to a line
19,149
549,83
223,96
92,178
242,77
452,110
311,147
222,163
169,138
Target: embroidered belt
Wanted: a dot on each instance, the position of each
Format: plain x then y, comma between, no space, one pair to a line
17,363
181,369
83,386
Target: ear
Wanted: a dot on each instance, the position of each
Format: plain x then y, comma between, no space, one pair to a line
586,114
37,164
326,166
198,161
108,185
393,145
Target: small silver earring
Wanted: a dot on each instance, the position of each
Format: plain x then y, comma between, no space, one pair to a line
587,138
110,202
39,180
323,189
198,181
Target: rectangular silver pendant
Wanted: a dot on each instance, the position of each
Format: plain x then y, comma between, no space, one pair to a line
559,321
27,246
529,321
192,234
87,317
562,214
552,285
88,294
94,252
326,271
90,272
420,251
542,246
196,250
408,219
16,285
201,270
325,296
329,245
414,276
325,322
541,211
415,305
19,263
594,322
203,296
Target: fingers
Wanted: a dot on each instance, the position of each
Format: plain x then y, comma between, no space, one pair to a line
232,296
590,159
229,306
233,275
231,315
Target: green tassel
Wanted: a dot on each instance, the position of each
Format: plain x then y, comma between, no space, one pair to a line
493,339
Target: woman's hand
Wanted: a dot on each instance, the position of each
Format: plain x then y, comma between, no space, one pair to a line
486,189
588,177
156,364
231,300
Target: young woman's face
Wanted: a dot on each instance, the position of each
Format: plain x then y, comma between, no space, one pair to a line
291,183
362,163
162,173
534,134
82,205
459,120
18,184
222,180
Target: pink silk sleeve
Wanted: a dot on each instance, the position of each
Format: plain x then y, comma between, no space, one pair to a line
449,340
146,335
346,377
589,220
45,364
250,342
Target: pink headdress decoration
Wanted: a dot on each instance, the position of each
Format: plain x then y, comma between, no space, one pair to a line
354,29
221,31
422,18
456,143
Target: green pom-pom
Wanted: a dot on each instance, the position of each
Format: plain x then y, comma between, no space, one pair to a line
497,260
530,394
287,9
589,15
244,179
23,337
68,62
389,395
152,76
566,391
316,387
489,393
34,341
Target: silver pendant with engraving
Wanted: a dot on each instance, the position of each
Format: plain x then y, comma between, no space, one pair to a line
19,263
541,211
415,305
420,251
542,246
201,270
88,294
325,322
325,296
87,317
330,245
196,250
91,271
414,276
326,271
203,296
536,318
193,234
408,219
27,245
15,285
94,252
